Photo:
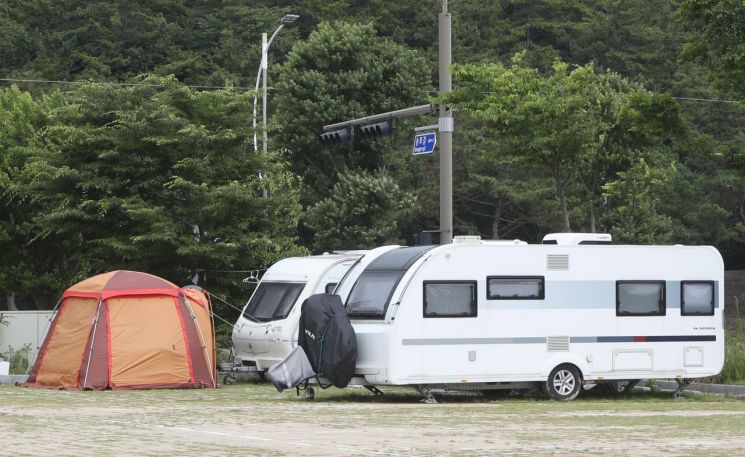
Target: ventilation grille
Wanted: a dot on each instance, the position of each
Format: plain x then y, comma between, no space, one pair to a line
557,344
557,262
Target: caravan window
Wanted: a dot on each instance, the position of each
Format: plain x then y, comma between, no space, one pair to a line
697,298
515,288
273,300
640,298
450,299
370,295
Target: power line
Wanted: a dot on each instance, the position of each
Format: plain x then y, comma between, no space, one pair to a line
111,83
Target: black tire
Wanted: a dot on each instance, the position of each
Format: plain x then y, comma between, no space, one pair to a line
564,383
228,380
310,394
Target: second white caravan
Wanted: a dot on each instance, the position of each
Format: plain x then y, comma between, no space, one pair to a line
267,329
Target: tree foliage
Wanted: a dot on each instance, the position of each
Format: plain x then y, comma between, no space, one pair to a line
154,178
720,38
343,71
363,211
598,109
577,125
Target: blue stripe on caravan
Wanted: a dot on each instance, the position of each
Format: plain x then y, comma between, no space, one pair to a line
583,339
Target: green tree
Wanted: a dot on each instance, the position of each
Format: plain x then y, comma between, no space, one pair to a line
24,267
577,125
343,71
720,39
662,205
115,40
363,211
157,178
719,45
548,121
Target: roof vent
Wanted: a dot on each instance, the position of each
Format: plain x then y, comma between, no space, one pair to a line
573,239
467,239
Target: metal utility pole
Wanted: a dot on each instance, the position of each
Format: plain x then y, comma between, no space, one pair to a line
446,128
286,19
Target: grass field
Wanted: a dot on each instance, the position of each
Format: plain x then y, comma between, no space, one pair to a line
254,419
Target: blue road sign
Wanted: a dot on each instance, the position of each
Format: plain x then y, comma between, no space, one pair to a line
425,143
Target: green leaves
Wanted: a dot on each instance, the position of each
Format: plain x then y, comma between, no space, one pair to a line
148,178
343,71
584,129
720,41
363,211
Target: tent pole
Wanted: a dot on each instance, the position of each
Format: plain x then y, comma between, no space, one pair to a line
90,347
212,324
46,330
201,338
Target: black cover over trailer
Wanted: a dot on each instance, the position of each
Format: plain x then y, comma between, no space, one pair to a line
327,337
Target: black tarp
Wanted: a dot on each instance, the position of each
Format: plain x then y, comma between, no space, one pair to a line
327,337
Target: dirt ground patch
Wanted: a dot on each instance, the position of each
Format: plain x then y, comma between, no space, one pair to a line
254,419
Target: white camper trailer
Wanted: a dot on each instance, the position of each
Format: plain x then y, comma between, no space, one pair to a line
497,315
267,329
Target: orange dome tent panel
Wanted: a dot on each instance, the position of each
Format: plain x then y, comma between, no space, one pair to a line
122,282
59,362
146,352
128,330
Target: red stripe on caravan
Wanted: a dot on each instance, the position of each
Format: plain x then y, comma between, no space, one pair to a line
640,339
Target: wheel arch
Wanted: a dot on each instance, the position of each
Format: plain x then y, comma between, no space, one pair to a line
565,359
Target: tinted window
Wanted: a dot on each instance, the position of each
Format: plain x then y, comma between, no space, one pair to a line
450,299
273,300
640,298
514,288
370,294
697,298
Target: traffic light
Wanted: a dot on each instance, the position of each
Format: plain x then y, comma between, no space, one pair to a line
372,131
335,137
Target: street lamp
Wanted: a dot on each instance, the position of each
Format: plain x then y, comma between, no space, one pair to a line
286,20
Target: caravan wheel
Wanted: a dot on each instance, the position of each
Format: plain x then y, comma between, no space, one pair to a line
564,383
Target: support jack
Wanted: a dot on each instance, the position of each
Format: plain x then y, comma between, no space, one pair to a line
427,396
682,385
375,391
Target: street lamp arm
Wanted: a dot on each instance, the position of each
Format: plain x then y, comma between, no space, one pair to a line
269,43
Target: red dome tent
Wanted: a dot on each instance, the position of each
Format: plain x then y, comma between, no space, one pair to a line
128,330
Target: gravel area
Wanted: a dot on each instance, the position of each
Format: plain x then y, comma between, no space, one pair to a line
254,419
